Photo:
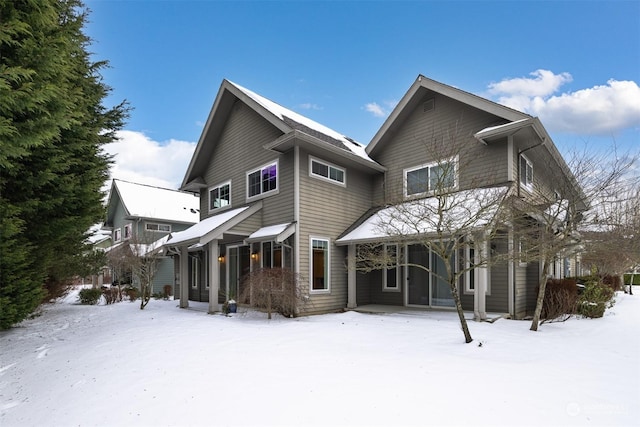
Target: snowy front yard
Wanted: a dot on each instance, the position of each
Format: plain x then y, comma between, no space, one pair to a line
117,365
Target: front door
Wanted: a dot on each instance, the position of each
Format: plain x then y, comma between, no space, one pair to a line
239,266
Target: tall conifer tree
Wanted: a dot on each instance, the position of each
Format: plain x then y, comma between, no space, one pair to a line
52,127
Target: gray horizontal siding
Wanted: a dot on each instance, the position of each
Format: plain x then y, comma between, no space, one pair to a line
164,275
326,211
443,132
238,150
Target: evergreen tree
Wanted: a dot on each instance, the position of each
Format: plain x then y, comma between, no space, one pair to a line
52,128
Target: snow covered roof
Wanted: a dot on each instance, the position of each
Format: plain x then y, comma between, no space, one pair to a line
454,213
306,125
503,129
145,201
97,234
279,233
213,227
148,249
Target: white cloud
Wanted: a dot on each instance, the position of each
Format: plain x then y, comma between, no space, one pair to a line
600,110
310,106
375,109
138,158
543,83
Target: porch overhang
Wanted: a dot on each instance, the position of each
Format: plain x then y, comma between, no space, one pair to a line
465,212
212,228
278,233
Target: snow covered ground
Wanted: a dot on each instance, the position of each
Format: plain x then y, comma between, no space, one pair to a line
119,366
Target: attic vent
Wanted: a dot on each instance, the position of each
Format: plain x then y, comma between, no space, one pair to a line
428,105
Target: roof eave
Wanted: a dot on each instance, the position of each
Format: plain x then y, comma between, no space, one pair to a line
448,91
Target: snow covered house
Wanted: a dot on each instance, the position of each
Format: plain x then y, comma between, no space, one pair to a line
280,190
144,216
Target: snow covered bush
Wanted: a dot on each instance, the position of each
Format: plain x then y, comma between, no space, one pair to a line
595,299
89,296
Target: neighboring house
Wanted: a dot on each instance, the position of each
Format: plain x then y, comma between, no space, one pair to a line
143,216
277,189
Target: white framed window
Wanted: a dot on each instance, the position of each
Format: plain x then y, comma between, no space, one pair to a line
319,265
195,273
117,234
391,275
431,177
220,196
263,180
128,230
160,228
522,253
326,171
470,271
526,172
206,271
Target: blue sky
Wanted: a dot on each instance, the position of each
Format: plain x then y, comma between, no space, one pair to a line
574,64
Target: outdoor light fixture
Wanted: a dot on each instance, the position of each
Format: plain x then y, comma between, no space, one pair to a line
221,258
254,256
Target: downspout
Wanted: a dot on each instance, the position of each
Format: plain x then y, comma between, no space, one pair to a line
296,207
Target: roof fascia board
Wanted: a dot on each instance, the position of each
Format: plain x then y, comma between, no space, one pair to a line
205,131
504,130
448,91
217,232
299,135
226,87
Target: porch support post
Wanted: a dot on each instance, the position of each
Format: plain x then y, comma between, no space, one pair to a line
351,277
479,295
214,276
184,277
511,280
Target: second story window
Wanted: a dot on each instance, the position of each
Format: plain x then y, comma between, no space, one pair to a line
262,180
161,228
324,170
117,234
429,178
220,196
127,231
526,172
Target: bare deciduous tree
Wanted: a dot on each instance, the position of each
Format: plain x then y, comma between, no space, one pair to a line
139,260
557,203
448,216
274,290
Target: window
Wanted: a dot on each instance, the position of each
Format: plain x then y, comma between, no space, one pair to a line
271,255
220,196
319,265
430,178
163,228
117,234
127,231
326,171
391,275
263,180
195,266
526,172
470,273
